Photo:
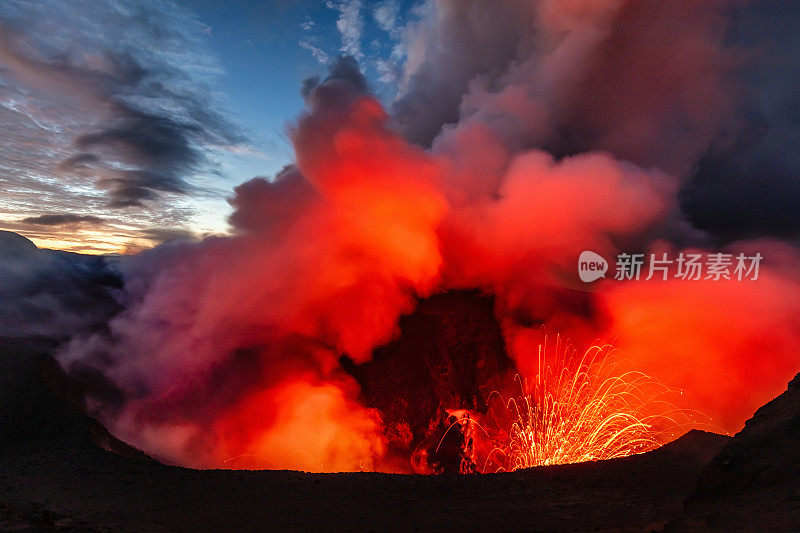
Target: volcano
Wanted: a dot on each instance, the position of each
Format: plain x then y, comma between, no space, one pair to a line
59,469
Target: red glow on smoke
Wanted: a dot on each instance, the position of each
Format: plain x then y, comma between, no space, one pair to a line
728,346
362,229
233,351
302,426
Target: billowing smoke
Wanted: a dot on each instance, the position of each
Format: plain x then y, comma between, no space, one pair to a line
230,347
642,79
723,344
556,127
51,294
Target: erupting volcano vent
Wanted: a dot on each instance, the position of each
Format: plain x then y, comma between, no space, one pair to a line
542,241
580,409
450,356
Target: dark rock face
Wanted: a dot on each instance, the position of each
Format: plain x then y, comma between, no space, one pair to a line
15,245
56,472
107,492
450,355
754,482
43,409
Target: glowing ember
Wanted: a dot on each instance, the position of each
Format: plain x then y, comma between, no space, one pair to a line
583,409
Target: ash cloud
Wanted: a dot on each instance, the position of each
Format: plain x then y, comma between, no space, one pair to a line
553,128
311,276
461,40
344,78
747,183
703,91
572,77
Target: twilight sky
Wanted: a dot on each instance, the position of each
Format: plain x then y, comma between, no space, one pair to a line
127,123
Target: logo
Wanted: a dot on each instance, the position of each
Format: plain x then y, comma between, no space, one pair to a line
591,267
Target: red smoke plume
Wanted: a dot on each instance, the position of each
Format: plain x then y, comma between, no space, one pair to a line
228,354
728,346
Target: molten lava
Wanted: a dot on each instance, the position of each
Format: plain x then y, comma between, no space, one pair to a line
579,409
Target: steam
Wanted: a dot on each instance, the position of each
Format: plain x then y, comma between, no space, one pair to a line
553,128
44,293
220,332
722,344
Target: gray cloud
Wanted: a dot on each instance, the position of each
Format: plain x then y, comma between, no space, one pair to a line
62,219
705,91
53,294
350,25
344,70
163,235
451,45
112,105
748,181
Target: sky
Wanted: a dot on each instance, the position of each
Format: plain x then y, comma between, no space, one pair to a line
127,124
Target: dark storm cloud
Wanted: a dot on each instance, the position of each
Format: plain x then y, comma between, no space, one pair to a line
135,73
163,235
78,161
62,219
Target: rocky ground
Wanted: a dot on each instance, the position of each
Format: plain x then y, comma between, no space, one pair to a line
754,481
60,470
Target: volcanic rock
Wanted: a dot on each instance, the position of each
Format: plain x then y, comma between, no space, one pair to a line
43,409
54,474
14,245
450,355
754,481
